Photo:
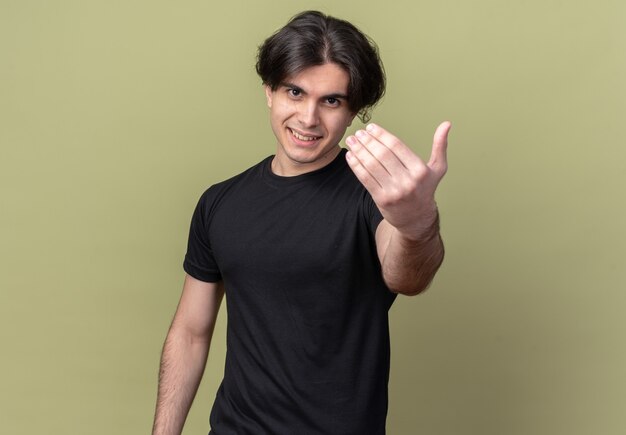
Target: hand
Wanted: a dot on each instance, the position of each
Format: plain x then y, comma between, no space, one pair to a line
401,184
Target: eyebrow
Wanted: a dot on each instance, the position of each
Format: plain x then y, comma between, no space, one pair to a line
336,95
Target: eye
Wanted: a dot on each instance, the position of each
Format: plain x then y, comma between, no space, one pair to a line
294,92
333,101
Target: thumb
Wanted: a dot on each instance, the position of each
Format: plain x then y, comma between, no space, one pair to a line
439,154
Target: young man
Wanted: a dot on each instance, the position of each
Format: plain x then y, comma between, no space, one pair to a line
311,246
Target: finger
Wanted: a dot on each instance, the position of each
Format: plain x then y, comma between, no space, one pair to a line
363,175
439,155
402,152
363,148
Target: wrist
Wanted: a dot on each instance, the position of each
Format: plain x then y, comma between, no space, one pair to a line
425,229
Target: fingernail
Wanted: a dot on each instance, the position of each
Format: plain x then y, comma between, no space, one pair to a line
360,133
371,128
350,140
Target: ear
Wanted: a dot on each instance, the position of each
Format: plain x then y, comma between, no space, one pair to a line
268,95
352,115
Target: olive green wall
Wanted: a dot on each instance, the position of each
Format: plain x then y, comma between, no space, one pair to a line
116,115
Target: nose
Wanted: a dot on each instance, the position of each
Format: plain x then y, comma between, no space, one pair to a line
308,115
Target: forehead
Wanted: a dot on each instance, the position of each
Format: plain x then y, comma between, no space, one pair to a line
328,78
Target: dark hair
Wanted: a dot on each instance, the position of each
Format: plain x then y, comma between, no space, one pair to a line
312,38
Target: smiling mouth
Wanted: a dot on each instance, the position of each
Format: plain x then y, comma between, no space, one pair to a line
303,137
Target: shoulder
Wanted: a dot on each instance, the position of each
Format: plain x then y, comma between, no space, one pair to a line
218,190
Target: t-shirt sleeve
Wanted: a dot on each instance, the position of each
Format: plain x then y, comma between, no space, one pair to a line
373,215
199,261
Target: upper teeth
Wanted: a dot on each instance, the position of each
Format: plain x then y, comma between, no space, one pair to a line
299,136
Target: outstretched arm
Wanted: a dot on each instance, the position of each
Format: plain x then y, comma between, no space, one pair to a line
403,187
185,353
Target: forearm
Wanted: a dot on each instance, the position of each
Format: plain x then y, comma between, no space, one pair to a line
182,364
409,264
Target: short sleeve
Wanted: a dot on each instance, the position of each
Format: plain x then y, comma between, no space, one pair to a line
372,214
199,261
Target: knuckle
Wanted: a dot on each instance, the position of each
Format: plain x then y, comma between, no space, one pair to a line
395,143
383,153
394,196
384,202
418,175
409,185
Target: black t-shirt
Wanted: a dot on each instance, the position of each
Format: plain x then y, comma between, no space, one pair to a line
307,335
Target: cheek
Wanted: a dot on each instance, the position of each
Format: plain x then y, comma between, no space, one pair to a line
339,125
284,109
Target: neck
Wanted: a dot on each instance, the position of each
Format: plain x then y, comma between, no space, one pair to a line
284,166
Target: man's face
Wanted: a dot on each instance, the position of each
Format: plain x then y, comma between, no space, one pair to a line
309,115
